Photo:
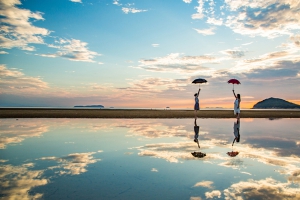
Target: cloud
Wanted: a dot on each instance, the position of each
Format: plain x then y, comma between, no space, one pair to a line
14,81
262,189
199,8
207,184
212,194
211,20
155,45
76,1
234,53
116,2
3,52
205,31
17,29
296,40
269,18
178,63
187,1
74,50
132,10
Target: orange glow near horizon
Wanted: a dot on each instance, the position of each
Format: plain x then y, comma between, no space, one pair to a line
189,104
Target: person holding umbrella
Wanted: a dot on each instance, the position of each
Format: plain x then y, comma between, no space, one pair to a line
196,106
237,103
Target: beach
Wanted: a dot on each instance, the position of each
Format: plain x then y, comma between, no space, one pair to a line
141,113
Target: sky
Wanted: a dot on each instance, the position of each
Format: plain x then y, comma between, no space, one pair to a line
146,53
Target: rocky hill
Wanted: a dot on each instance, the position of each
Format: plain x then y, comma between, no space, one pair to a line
275,103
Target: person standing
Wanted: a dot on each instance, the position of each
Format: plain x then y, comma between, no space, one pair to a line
237,103
196,106
236,131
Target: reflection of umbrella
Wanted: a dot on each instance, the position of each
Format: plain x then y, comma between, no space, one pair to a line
233,153
234,81
199,80
198,154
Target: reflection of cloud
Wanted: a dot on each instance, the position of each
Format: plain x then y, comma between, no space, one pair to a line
261,189
154,170
212,194
207,184
13,131
16,181
75,163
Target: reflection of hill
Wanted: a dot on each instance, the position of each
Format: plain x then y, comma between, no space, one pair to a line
275,103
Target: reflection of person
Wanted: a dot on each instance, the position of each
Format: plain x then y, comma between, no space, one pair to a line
196,106
236,131
237,103
196,130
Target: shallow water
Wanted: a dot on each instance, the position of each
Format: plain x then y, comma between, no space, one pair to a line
149,159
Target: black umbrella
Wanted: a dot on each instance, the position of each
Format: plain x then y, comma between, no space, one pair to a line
200,81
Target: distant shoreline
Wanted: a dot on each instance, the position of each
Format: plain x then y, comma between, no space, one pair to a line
141,113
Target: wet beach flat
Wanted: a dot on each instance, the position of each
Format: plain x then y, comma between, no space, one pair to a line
140,113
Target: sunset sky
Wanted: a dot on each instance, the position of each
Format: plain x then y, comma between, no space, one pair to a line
146,53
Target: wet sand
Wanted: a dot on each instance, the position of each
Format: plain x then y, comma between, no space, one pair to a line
140,113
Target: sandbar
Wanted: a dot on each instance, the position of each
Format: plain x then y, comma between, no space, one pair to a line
141,113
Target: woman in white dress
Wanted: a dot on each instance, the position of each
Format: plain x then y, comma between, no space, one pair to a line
237,103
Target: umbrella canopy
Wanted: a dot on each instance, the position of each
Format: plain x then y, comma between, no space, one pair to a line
234,81
199,80
233,153
198,154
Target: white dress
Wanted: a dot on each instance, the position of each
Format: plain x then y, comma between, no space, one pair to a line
236,107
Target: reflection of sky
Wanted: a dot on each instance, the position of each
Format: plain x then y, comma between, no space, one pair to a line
131,158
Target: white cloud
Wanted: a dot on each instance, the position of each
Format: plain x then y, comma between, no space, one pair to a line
199,8
205,31
17,29
116,2
14,81
178,63
212,194
155,45
154,170
187,1
269,18
3,52
132,10
234,53
211,20
76,1
74,50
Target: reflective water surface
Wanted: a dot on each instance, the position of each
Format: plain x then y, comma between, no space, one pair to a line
149,159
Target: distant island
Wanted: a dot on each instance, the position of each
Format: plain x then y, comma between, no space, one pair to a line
94,106
275,103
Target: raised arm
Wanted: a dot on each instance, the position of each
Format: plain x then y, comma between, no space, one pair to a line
234,94
198,92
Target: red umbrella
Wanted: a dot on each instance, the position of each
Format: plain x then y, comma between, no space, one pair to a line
233,153
234,81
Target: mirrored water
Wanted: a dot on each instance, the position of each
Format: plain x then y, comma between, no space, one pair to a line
149,159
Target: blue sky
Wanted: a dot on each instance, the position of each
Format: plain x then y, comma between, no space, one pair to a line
147,53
